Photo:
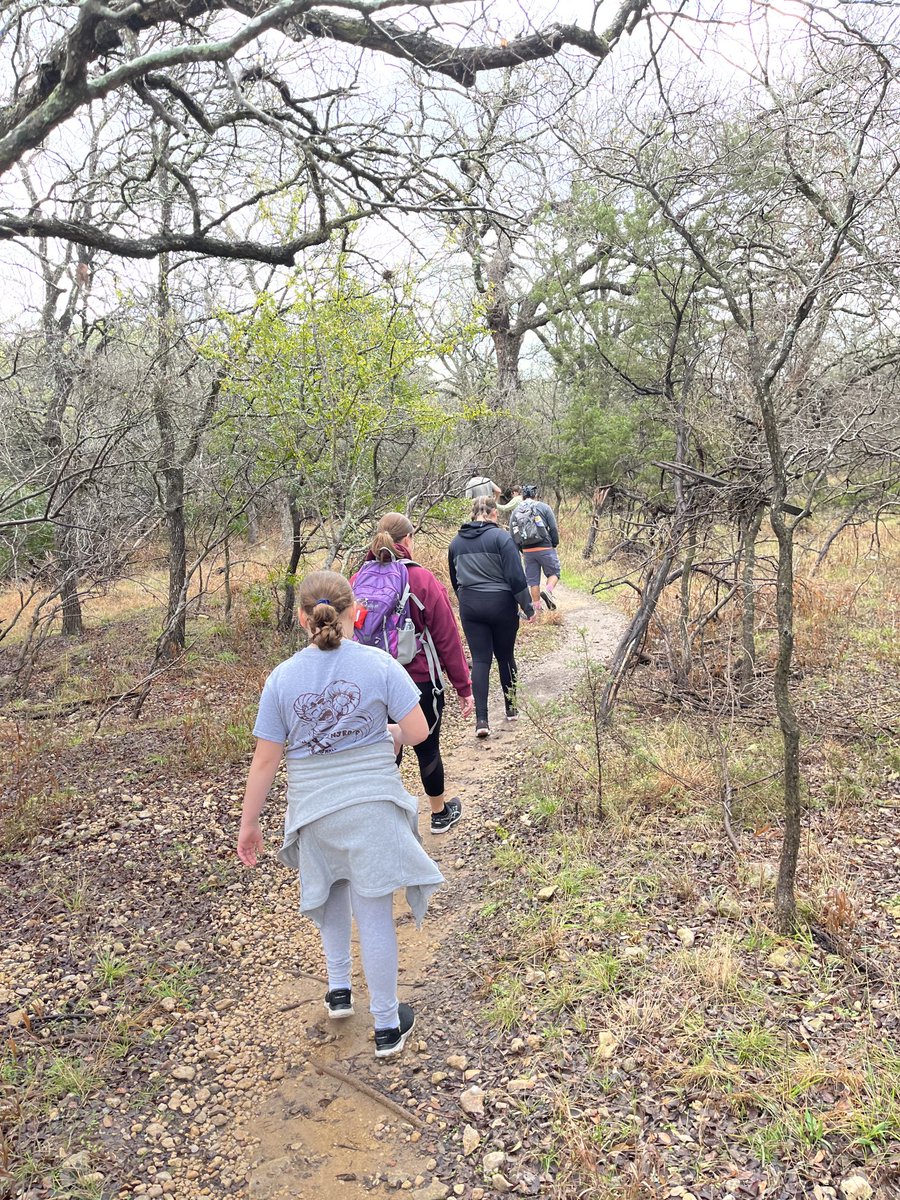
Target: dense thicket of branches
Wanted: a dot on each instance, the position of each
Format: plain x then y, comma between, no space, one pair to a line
251,109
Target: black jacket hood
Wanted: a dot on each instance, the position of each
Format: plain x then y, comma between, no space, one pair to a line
474,529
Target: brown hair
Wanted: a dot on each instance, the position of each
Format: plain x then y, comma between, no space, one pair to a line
483,507
392,528
323,596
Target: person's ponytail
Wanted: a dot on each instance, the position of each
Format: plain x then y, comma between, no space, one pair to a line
324,596
483,508
396,525
325,627
383,547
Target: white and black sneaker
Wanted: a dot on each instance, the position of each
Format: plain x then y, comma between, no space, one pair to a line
442,821
547,597
482,730
392,1041
339,1003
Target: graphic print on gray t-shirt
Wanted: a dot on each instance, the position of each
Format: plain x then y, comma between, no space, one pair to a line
319,701
325,719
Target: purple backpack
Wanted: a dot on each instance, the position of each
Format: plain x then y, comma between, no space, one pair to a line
382,589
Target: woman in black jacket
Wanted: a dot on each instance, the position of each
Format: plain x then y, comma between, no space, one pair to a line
487,576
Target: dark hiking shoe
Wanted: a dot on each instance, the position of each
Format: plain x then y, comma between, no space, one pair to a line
392,1041
339,1003
482,729
512,714
442,821
547,597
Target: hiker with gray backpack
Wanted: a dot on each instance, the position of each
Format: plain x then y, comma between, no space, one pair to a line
408,614
532,526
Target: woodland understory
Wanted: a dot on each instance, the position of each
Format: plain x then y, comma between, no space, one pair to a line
274,269
668,1036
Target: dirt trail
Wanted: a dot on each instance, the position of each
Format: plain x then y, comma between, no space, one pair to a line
313,1135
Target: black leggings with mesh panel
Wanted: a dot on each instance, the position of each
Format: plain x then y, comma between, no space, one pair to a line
428,753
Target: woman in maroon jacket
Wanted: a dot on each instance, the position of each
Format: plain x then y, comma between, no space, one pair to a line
395,532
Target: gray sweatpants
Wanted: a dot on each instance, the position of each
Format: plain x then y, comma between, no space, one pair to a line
377,943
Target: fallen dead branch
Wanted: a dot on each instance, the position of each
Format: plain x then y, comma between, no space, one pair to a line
390,1105
838,946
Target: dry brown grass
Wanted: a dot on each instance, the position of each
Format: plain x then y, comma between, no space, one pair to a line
650,1011
147,587
714,970
32,793
855,592
799,1060
431,553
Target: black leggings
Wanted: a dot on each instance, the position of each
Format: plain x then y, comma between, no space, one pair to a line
431,766
490,621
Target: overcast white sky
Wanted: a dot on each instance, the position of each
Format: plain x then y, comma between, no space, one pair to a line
744,26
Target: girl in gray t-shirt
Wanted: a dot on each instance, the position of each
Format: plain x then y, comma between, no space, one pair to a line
351,828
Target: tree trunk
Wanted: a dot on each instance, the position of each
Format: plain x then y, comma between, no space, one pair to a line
785,902
601,495
748,596
633,639
55,330
175,634
252,524
173,638
685,656
72,622
499,320
682,526
678,397
227,575
507,348
286,616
